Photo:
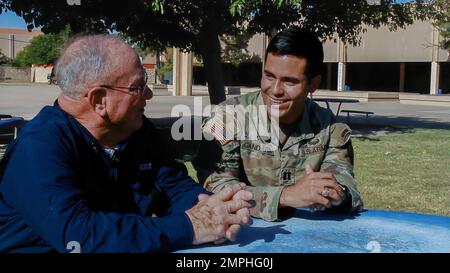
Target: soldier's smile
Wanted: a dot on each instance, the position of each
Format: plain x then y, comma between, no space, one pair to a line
279,102
279,105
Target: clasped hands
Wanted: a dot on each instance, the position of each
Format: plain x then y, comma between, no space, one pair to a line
218,217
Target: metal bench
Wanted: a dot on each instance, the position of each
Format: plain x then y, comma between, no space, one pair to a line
367,113
9,122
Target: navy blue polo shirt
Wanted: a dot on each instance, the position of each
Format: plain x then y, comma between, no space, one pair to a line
60,188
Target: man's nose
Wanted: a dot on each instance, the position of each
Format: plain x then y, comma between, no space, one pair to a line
148,93
277,88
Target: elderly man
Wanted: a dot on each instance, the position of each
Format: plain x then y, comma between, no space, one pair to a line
88,174
306,161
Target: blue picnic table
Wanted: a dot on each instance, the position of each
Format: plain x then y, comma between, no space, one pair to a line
321,232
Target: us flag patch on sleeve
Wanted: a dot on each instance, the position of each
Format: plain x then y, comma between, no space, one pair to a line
216,128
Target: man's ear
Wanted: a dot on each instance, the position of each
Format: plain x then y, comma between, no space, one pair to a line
97,100
314,84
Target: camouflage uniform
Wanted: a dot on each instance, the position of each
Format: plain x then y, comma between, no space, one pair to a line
315,140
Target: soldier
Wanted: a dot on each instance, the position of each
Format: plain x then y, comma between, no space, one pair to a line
309,162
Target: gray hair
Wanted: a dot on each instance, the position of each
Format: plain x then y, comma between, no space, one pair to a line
85,61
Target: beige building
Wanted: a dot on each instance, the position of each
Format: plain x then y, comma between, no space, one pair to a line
12,40
405,60
149,63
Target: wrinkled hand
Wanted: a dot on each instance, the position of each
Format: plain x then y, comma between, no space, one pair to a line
218,217
315,190
234,229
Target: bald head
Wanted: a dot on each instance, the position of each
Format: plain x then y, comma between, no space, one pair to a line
91,60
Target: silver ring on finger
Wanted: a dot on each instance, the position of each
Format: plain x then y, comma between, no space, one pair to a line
325,192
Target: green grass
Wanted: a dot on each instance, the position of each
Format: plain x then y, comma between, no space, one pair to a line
407,171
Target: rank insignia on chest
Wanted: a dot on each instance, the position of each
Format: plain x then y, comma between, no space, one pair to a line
313,142
287,176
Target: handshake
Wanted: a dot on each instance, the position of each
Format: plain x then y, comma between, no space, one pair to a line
218,217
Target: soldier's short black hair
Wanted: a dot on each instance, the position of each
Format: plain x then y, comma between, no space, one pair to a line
299,42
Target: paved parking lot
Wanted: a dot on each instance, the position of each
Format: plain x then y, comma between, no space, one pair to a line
27,99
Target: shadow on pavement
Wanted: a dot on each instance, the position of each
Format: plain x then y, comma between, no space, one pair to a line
383,125
395,121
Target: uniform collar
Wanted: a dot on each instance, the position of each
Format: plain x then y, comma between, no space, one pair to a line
259,103
303,129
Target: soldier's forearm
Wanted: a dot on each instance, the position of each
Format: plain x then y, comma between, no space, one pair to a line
266,200
215,184
347,180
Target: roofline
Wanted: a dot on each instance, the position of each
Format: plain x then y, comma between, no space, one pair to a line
20,31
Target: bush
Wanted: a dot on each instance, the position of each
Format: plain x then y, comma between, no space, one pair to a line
43,49
167,67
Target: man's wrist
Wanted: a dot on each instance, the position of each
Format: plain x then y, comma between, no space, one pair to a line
284,197
345,190
344,198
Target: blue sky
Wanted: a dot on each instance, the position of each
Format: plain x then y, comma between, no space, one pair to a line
11,20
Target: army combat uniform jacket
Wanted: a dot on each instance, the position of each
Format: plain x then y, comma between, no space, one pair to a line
315,140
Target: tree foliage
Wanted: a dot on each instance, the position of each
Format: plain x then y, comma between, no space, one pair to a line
197,24
443,24
344,19
235,49
166,68
43,49
445,32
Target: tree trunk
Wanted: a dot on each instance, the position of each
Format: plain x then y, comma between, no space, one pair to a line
210,50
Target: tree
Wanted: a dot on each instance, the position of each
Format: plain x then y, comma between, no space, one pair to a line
445,32
196,25
43,49
166,68
443,24
234,49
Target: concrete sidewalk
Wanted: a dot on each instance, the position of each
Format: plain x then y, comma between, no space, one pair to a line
26,100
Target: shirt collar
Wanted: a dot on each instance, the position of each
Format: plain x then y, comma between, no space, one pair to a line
89,138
